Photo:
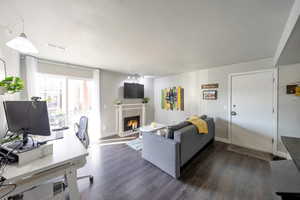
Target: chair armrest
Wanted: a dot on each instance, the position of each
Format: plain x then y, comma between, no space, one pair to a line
162,152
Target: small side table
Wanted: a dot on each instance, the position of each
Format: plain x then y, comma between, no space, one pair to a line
149,128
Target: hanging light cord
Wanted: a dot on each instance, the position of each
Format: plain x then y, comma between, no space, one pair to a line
4,66
23,24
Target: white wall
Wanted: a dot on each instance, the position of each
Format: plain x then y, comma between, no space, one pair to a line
12,63
189,83
289,105
194,104
111,84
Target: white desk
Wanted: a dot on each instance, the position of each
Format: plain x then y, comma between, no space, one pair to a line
68,155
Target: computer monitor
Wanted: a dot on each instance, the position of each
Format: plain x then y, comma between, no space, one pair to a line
27,117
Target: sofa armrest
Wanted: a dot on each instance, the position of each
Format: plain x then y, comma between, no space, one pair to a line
162,152
191,141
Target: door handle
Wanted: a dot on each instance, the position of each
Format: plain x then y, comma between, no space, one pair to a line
233,113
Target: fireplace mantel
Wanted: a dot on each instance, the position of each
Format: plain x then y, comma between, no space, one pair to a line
127,110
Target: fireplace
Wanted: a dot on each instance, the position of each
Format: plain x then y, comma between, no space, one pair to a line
127,112
131,123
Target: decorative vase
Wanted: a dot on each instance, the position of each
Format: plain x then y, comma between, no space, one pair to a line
3,90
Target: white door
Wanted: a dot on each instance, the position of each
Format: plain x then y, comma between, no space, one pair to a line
252,96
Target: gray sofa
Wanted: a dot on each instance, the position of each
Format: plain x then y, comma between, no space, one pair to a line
171,154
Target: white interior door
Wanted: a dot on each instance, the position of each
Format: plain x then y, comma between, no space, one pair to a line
252,97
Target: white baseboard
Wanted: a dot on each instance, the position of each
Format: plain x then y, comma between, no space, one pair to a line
107,134
277,153
283,155
225,140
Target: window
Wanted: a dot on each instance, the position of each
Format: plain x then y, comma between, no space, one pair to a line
70,91
53,90
68,99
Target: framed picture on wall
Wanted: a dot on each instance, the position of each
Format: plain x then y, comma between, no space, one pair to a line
210,86
210,94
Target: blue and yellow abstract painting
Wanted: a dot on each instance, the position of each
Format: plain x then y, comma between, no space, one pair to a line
172,98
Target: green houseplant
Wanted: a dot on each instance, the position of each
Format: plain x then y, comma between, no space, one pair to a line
146,100
117,102
11,85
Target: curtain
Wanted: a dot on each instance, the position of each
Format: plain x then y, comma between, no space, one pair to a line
28,70
95,119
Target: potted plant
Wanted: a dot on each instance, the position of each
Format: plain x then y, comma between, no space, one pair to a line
11,85
118,102
2,90
145,100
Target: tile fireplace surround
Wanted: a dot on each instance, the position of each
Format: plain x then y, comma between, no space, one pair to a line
129,110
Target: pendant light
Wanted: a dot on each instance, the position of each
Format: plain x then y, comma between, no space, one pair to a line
22,44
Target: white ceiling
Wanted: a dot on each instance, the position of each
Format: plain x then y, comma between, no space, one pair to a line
153,37
291,51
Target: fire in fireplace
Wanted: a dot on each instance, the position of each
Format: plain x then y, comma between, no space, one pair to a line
131,123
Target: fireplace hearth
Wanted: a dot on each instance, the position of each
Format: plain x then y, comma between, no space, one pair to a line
131,123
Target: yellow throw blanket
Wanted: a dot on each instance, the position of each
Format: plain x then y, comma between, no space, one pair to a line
199,123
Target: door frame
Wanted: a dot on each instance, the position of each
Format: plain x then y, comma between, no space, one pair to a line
275,103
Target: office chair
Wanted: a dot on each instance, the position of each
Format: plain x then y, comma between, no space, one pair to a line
81,130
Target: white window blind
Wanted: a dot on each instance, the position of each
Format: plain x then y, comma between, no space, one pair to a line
64,70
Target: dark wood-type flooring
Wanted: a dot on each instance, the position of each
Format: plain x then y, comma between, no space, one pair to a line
215,173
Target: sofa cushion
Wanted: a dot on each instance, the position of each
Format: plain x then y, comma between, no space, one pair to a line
173,128
203,117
